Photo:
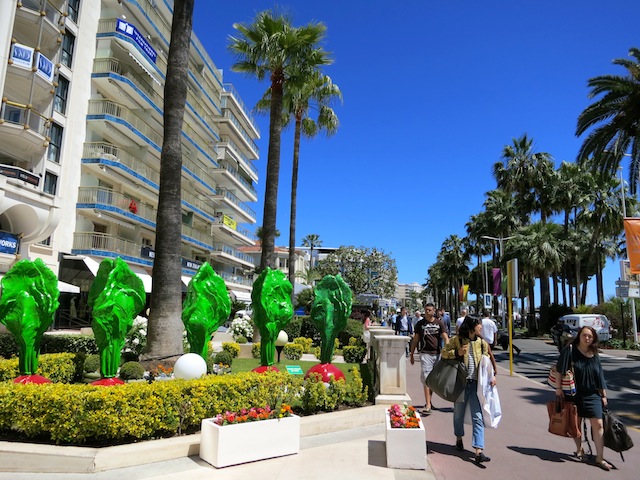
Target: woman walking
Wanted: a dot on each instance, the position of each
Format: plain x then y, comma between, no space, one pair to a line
469,347
581,355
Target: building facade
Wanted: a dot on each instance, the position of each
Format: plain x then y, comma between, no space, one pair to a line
81,124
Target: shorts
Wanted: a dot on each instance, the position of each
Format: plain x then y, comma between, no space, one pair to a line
427,361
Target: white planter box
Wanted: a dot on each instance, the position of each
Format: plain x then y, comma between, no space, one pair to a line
248,442
406,447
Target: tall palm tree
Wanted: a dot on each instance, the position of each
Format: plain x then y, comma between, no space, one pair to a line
311,241
272,46
614,119
164,335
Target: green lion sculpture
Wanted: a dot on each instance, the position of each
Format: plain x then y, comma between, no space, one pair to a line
116,297
206,307
27,307
272,310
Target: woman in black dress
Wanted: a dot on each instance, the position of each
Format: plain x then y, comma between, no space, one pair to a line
591,396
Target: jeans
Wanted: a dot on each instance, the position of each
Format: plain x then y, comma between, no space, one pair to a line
405,333
470,398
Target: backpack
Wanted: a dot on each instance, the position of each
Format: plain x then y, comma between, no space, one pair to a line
616,436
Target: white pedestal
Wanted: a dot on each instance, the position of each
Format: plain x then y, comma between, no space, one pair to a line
406,447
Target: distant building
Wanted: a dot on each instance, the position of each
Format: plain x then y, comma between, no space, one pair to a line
282,261
403,292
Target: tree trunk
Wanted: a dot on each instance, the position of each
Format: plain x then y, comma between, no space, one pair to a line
164,334
267,258
294,196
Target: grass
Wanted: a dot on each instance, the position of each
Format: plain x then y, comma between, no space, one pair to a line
248,364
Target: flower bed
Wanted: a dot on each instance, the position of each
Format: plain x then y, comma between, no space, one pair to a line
406,443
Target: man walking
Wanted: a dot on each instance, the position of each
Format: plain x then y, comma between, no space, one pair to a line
426,341
463,314
404,326
489,328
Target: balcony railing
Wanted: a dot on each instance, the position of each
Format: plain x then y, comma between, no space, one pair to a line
228,114
228,277
228,87
199,172
50,11
101,241
112,65
203,237
234,173
111,152
28,118
233,199
220,247
111,198
236,151
106,107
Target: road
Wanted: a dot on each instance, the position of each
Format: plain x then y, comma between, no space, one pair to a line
622,373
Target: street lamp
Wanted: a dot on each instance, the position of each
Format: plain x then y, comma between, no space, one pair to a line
500,240
280,342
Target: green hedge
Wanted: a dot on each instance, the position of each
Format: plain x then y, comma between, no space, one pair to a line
51,344
57,367
292,351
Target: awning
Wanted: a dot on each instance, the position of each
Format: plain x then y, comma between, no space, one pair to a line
144,67
186,279
62,286
241,296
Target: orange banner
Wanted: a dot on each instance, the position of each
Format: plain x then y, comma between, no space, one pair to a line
632,232
462,293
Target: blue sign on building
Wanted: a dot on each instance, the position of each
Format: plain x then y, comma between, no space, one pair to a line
9,243
22,56
45,67
133,33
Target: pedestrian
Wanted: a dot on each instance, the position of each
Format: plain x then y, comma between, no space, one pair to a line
581,355
469,346
428,333
366,334
463,314
446,318
416,318
489,327
404,326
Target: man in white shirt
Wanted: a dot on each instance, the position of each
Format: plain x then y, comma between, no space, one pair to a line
489,327
459,321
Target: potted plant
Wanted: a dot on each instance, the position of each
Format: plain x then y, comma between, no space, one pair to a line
249,435
406,443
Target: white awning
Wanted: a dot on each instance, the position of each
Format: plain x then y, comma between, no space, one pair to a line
62,286
241,296
144,67
92,265
144,276
186,279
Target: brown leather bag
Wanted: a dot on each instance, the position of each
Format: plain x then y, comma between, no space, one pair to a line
563,419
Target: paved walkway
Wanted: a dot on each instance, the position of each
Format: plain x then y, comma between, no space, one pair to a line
520,448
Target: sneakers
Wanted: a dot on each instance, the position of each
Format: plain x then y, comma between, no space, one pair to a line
481,457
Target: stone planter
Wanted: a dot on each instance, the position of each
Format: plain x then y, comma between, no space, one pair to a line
248,442
406,447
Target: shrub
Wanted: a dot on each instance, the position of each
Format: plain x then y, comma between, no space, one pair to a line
224,358
317,397
293,327
8,345
92,363
255,350
232,348
292,351
353,353
241,340
353,329
305,342
136,338
241,326
128,357
131,371
356,393
57,367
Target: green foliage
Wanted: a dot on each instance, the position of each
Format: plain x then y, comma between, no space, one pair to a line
353,329
128,356
225,358
354,354
79,414
305,342
241,340
292,351
357,393
292,328
8,345
304,299
57,367
51,344
92,363
136,338
318,398
255,350
232,348
131,371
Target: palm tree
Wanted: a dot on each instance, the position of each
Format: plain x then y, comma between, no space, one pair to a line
615,119
271,45
164,336
311,241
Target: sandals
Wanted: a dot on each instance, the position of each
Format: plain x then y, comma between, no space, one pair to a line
580,455
604,465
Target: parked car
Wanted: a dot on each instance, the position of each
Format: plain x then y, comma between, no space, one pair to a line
575,321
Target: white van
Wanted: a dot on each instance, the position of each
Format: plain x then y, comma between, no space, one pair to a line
600,323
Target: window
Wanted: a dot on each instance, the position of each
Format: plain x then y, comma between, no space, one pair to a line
46,241
53,153
283,263
72,9
62,90
68,43
50,183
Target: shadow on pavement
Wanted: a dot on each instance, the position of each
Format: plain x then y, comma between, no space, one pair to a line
377,453
450,450
547,455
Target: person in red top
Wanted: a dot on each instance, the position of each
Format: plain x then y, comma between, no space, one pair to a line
426,340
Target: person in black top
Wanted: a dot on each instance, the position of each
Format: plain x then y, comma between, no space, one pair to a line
582,356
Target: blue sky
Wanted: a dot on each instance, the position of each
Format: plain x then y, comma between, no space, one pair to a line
432,93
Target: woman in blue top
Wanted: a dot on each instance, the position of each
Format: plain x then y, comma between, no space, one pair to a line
591,395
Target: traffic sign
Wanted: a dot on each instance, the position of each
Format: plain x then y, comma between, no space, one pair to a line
628,292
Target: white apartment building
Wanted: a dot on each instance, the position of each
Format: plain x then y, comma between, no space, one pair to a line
404,292
81,121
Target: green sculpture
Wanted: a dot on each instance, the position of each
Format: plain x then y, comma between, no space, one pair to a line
206,307
27,307
329,313
116,297
272,310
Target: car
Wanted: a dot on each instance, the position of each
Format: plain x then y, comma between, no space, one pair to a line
575,321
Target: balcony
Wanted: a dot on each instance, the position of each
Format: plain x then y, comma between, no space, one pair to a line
124,121
196,237
237,279
226,174
115,207
229,124
23,130
105,245
228,200
29,16
230,92
227,229
26,86
230,256
228,150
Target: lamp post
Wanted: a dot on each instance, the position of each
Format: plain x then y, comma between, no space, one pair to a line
499,240
280,342
632,300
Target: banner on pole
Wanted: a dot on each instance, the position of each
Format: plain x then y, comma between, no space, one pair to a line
632,233
464,290
497,281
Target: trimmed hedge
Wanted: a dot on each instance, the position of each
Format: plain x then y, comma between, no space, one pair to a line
51,344
292,351
57,367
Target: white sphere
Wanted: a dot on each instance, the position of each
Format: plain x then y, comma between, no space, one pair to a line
282,339
190,366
